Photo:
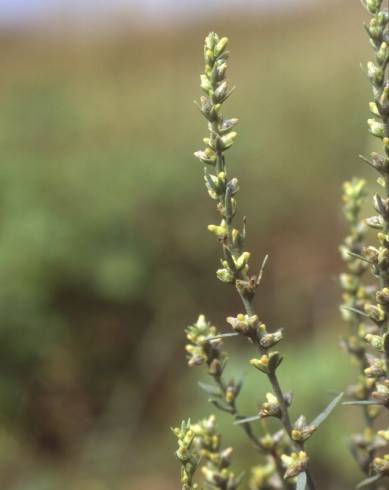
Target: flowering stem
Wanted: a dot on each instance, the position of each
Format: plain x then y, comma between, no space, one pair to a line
273,379
235,260
247,427
372,304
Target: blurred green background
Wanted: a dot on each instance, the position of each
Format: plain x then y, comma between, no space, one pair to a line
104,253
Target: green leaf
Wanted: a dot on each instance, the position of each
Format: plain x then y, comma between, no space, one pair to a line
301,483
209,389
247,420
368,481
326,412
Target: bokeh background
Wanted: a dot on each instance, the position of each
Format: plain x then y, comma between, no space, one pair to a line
104,253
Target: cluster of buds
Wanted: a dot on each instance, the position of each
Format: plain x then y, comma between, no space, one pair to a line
187,455
365,308
363,447
270,408
263,477
267,363
234,264
203,347
354,292
215,86
244,324
295,463
384,434
251,327
381,465
216,470
301,430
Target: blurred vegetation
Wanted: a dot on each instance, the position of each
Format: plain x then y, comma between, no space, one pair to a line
104,255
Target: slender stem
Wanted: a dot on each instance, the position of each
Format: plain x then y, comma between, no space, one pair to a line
248,429
234,411
235,264
273,379
281,400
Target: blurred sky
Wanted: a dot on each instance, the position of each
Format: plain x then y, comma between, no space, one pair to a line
19,12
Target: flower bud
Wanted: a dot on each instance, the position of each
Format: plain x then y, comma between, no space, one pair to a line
375,222
375,341
375,313
376,369
386,146
242,260
301,430
382,296
382,17
228,140
243,324
221,92
218,230
373,6
221,46
348,282
374,109
205,83
220,70
228,124
207,156
375,73
295,463
261,476
375,30
381,465
270,408
225,275
376,128
226,456
381,395
384,434
271,339
267,363
383,53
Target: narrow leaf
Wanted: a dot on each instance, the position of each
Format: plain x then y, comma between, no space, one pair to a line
263,265
360,257
220,406
326,412
362,402
229,258
247,419
369,481
240,477
366,160
354,310
301,483
222,336
210,389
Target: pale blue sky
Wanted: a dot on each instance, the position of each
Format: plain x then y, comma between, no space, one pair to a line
26,11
